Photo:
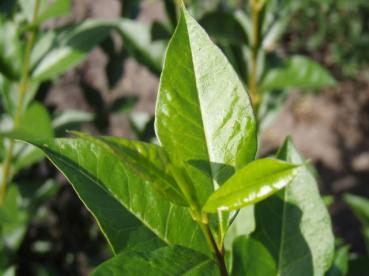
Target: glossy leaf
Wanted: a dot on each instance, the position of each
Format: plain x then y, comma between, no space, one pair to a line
170,260
293,233
251,184
109,190
203,112
70,47
137,39
298,72
150,162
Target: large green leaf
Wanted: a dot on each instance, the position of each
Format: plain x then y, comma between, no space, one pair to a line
298,72
203,113
109,189
293,233
71,46
150,162
170,260
251,184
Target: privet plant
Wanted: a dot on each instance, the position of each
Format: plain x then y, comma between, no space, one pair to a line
199,203
31,57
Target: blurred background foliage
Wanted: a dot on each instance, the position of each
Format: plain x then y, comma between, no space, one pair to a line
94,65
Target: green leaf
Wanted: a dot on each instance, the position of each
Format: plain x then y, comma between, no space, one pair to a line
13,219
10,50
148,161
360,206
35,122
109,190
224,27
53,10
293,233
340,263
298,72
170,260
253,183
203,112
138,41
70,47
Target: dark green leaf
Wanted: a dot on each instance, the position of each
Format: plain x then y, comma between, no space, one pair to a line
124,104
108,189
297,72
293,233
137,39
203,112
360,206
253,183
171,260
224,27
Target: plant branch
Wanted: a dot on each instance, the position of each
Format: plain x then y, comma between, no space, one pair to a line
256,7
218,252
23,87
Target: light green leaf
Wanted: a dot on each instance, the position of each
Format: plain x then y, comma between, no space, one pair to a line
293,233
138,41
203,112
13,219
148,161
109,190
53,10
253,183
10,50
70,47
341,262
298,72
170,260
35,122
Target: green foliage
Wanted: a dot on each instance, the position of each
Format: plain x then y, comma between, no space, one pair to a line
154,203
360,206
336,28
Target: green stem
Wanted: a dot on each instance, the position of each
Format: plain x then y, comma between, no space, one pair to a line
23,87
214,247
253,85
